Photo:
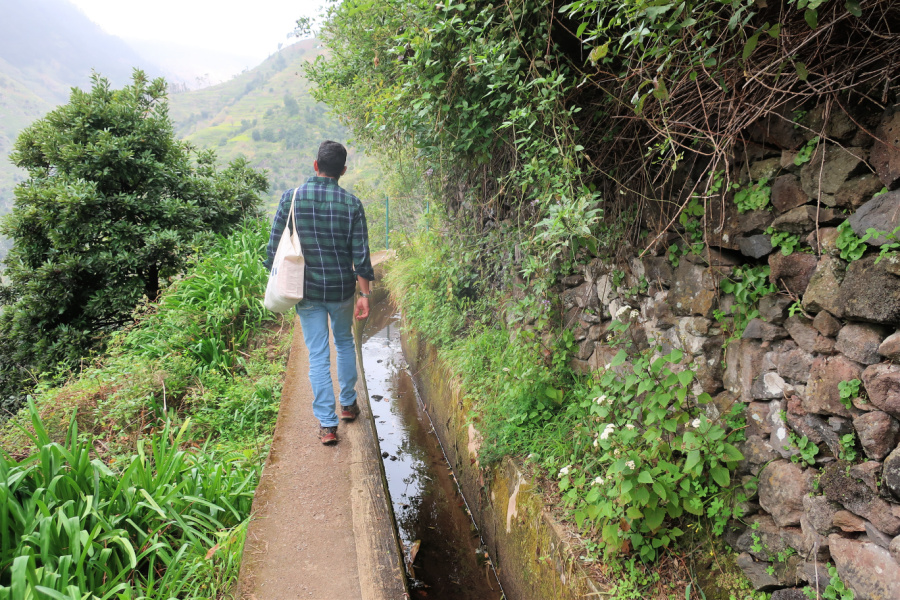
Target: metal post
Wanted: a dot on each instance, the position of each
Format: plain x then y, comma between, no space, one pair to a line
387,223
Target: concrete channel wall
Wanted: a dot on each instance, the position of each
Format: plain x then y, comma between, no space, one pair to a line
529,548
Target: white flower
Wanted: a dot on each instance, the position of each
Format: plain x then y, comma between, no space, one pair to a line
630,464
621,312
608,366
596,443
695,423
616,452
635,314
607,430
598,480
565,470
600,399
629,426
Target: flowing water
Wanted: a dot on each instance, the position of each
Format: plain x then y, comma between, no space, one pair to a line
449,562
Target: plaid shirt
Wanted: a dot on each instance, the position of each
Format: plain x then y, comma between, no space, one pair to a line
331,223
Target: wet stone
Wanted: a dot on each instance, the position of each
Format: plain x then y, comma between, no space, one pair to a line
890,475
795,364
839,165
870,293
856,497
886,157
793,271
881,213
860,342
824,287
755,246
782,486
890,347
827,325
773,308
757,329
822,394
878,433
787,194
847,522
868,472
882,383
866,568
856,192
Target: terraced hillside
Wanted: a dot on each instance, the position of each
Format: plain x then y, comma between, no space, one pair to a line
268,116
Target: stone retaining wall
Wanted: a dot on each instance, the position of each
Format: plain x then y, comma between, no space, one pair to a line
786,367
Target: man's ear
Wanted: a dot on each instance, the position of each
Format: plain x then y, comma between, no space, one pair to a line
344,171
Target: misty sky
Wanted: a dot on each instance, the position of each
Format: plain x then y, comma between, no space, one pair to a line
233,27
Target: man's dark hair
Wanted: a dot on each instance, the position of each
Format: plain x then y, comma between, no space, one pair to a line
332,157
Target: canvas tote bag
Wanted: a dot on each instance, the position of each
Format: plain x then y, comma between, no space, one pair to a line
285,287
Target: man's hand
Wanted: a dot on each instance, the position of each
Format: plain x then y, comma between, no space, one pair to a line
362,309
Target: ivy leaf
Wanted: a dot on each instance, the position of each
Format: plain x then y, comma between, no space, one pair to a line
853,8
645,477
750,45
774,30
685,377
721,475
812,17
598,53
802,71
619,359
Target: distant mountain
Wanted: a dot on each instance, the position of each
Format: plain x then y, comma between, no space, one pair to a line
268,116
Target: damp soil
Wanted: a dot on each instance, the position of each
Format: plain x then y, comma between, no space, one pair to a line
435,528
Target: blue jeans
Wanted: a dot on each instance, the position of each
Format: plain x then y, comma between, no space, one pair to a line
314,320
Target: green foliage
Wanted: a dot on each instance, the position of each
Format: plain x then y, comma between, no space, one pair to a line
754,197
848,447
73,527
787,242
645,454
748,284
113,207
807,449
850,246
641,453
202,349
691,219
804,155
836,589
848,390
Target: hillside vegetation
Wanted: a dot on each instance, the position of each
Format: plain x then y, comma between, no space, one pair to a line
561,142
267,116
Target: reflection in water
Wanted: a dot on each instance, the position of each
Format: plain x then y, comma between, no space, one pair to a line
449,563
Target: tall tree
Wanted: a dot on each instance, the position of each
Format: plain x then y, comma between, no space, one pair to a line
112,207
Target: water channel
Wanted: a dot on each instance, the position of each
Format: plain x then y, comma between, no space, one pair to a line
448,560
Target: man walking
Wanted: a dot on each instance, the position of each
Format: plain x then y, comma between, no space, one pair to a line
331,225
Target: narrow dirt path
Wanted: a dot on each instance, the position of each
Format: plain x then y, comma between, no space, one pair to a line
322,527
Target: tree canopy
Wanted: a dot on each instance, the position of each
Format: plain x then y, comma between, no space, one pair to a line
113,206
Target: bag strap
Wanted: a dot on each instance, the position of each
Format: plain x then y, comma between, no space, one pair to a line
292,219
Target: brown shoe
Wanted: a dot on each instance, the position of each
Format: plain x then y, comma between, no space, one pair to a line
349,413
328,435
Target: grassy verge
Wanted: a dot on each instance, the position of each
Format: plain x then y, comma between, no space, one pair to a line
626,454
136,478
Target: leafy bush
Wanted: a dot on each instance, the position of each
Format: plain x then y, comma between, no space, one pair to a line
112,208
